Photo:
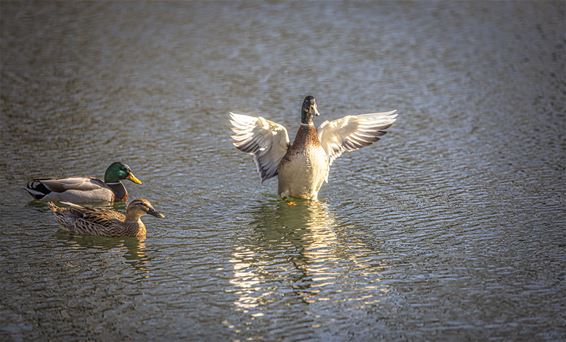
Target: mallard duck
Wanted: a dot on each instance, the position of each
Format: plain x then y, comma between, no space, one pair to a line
85,189
302,167
104,222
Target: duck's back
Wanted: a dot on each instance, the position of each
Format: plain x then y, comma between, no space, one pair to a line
97,222
304,168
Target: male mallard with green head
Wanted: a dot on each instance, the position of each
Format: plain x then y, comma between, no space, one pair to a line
104,222
85,189
302,167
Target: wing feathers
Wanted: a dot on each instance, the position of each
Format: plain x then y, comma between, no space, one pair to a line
353,132
266,140
72,183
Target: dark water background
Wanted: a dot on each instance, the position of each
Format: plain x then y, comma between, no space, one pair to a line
451,227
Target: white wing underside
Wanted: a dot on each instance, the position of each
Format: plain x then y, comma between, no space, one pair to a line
266,140
353,132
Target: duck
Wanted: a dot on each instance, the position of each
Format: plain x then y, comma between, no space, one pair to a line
303,166
82,190
104,222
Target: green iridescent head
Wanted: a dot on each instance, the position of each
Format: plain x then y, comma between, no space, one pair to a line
118,171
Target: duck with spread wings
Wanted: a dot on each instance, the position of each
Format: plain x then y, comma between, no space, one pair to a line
303,166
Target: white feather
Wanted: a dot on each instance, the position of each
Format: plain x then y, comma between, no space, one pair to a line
353,132
266,140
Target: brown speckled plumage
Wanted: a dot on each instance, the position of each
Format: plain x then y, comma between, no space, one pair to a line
104,222
303,168
306,136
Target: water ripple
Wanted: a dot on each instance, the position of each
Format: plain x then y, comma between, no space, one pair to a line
450,227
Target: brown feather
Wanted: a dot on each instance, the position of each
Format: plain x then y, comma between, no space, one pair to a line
101,222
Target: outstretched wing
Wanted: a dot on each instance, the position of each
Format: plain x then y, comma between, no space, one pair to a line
266,140
353,132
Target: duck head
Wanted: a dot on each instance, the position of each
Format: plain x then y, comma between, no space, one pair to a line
139,207
308,110
118,171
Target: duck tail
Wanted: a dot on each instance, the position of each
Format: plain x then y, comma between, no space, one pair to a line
73,205
37,189
64,206
53,207
61,215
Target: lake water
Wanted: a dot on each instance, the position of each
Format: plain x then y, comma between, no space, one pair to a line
452,227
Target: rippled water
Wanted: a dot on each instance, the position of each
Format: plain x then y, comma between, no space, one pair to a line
451,227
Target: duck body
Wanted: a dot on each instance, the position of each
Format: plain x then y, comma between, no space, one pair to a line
78,190
303,167
81,190
94,221
104,222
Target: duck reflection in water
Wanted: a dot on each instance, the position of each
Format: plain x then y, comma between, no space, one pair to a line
293,253
134,249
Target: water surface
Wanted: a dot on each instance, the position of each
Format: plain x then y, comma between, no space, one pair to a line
451,227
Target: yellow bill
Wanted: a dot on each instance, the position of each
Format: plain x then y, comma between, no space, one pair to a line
134,178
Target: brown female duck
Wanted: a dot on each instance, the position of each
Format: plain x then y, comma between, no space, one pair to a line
104,222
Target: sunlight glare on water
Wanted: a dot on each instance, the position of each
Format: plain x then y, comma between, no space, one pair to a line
451,227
